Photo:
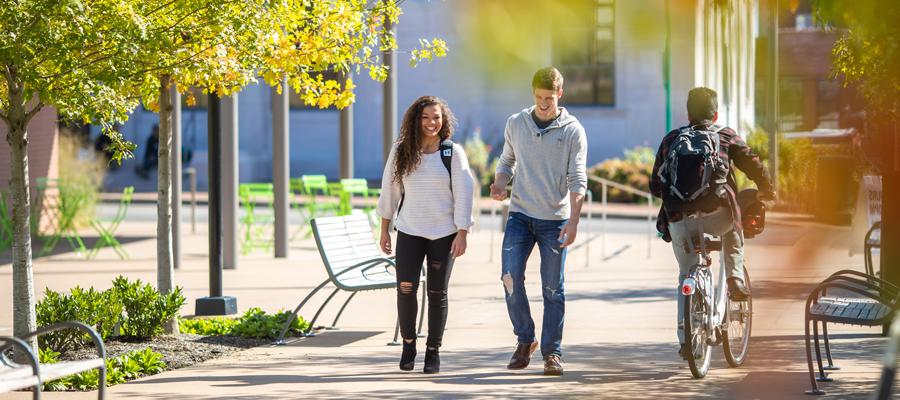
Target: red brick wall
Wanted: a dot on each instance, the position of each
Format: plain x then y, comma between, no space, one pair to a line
43,149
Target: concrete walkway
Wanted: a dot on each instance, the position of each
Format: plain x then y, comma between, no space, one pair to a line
619,337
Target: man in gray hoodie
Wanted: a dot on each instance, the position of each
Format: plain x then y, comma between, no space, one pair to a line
545,149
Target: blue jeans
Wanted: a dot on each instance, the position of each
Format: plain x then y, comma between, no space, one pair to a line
522,233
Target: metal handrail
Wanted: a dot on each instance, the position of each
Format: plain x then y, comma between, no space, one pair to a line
620,186
589,198
605,184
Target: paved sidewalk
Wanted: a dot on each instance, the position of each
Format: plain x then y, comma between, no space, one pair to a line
619,337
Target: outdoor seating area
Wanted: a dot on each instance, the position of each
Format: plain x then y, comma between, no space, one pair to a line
312,196
59,209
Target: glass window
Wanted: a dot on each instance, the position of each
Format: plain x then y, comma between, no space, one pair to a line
584,51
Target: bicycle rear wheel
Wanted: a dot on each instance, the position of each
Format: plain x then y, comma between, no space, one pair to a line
696,334
738,321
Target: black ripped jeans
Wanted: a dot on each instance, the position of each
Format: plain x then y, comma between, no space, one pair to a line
411,251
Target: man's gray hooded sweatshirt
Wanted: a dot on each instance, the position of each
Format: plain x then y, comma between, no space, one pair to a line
546,164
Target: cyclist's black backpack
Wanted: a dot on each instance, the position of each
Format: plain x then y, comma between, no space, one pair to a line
693,174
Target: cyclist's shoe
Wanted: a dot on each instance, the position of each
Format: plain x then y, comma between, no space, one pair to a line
522,357
552,365
736,289
684,351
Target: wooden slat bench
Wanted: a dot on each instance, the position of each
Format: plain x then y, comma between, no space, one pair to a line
865,300
14,376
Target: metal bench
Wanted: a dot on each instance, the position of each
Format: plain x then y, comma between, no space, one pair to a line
354,264
14,376
866,300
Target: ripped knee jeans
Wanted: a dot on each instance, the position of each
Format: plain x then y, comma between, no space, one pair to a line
412,251
522,234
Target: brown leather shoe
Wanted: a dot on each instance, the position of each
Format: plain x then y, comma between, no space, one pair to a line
552,365
522,356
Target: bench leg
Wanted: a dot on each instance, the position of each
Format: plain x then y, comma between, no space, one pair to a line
290,320
830,366
319,312
422,311
822,376
101,390
396,334
812,379
338,316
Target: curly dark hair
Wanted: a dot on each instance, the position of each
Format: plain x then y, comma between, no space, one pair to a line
409,143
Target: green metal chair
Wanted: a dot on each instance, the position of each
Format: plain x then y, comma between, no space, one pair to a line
107,232
319,200
66,208
256,226
359,187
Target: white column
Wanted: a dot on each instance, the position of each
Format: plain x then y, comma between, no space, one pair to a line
230,181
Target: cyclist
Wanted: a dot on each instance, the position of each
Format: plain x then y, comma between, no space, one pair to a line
692,175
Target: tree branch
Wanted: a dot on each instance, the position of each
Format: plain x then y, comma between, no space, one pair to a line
37,108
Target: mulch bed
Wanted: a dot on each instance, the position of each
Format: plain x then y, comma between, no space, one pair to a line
178,351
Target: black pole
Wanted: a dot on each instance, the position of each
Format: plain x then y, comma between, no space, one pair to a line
215,189
216,303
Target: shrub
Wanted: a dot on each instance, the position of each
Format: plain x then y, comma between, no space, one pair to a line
207,326
82,172
480,161
146,310
254,323
125,367
796,168
134,308
101,310
633,171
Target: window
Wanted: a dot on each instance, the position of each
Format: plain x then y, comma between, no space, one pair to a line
584,51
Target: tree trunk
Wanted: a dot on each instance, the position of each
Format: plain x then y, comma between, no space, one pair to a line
24,320
165,280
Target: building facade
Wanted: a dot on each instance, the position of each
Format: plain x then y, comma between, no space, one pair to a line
622,83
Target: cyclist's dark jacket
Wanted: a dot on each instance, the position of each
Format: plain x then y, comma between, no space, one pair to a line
732,148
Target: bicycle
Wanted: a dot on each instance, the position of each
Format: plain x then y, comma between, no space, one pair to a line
711,318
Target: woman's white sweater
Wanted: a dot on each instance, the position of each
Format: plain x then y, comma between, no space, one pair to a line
430,208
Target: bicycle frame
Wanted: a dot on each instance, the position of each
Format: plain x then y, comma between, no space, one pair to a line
700,278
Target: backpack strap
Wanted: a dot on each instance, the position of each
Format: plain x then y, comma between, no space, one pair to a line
446,150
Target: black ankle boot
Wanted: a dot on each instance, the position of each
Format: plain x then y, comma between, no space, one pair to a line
408,358
432,361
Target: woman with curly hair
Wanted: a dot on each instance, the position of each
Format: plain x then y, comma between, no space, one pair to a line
430,203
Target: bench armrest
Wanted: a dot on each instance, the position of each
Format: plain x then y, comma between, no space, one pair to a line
98,342
8,342
882,284
885,294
